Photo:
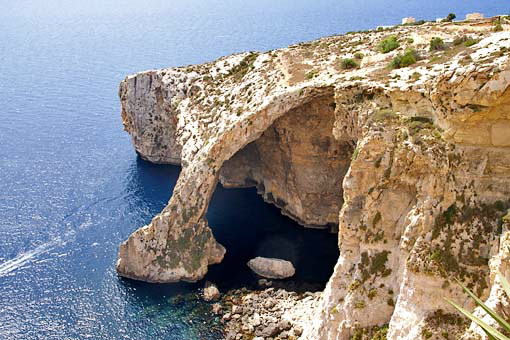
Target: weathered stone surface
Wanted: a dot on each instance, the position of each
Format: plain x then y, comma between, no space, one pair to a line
211,292
412,164
296,164
272,268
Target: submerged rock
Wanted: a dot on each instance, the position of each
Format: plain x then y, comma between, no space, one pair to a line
265,283
272,268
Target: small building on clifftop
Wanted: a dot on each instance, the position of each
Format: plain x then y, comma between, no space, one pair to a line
408,20
474,16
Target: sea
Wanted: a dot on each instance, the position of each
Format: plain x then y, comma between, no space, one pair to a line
72,188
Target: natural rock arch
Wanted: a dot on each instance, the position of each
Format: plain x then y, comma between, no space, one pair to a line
178,244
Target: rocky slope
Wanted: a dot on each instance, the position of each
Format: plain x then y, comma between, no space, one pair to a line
412,165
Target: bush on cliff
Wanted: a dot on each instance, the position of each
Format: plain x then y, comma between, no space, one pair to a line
497,26
470,42
403,60
388,44
437,44
450,17
348,63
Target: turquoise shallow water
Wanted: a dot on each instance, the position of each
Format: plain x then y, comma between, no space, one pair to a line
71,187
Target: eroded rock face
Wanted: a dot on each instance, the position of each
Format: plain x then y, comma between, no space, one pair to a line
422,155
296,164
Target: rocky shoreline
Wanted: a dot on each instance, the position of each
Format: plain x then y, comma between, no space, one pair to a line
268,314
398,138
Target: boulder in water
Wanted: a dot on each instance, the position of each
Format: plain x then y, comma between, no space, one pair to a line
272,268
211,292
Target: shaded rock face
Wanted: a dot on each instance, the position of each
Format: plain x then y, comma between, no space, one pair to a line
272,268
296,164
422,154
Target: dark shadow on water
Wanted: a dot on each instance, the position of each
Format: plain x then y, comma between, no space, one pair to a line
152,185
247,227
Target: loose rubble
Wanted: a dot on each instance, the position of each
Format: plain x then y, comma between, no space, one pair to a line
269,314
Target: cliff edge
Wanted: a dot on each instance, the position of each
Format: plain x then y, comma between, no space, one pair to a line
406,153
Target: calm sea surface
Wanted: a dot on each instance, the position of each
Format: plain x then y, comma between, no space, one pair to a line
72,188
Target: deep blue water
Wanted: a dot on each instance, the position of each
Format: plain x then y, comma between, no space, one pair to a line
71,187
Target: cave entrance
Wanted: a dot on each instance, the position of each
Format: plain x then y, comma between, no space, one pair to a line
298,167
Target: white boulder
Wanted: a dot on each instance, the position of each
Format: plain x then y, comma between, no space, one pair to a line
272,268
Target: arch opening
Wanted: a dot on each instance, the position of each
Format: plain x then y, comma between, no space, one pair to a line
297,165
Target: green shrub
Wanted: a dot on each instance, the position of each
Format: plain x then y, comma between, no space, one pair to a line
311,74
436,44
459,40
383,115
410,40
388,44
450,17
358,55
240,70
470,42
404,60
359,304
497,26
348,63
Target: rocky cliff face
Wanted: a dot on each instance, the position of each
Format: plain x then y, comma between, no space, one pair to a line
412,165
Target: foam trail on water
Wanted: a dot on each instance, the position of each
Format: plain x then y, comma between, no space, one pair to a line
27,257
23,258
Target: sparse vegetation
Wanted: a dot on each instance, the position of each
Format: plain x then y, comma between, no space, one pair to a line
383,115
372,293
470,42
359,304
371,333
497,26
436,44
450,17
388,44
312,74
404,60
240,70
348,63
358,55
459,40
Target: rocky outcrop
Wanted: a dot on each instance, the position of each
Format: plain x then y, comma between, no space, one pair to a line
211,292
272,268
412,165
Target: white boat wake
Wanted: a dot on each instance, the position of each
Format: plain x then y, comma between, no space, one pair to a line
24,258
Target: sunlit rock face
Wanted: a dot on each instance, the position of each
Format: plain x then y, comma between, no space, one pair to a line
412,165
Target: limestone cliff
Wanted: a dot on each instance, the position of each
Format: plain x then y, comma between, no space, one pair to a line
412,165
